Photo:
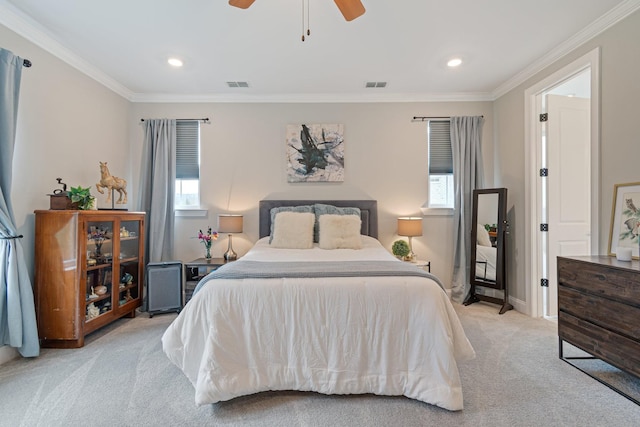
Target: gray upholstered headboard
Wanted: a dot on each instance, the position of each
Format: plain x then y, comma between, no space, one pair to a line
368,212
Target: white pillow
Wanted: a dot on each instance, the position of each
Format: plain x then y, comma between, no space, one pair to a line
339,232
483,236
293,230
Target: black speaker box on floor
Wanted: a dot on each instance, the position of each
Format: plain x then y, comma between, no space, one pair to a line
164,287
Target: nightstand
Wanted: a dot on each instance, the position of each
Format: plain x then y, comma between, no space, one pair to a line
425,265
196,270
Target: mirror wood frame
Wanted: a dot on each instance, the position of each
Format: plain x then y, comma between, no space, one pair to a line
502,229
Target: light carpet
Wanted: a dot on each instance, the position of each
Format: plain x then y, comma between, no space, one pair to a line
122,378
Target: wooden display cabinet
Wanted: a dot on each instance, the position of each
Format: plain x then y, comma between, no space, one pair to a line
89,271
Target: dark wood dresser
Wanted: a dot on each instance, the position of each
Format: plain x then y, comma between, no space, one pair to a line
599,309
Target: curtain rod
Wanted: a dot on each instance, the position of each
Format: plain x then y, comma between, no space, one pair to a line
422,119
26,63
206,120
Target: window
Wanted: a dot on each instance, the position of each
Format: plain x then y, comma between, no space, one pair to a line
187,164
440,164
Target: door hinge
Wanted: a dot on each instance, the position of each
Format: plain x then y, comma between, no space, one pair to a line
544,283
544,117
544,227
544,172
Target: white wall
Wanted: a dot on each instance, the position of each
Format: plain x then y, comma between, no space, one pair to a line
243,161
620,140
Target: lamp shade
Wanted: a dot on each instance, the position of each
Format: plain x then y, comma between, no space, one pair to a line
410,226
229,223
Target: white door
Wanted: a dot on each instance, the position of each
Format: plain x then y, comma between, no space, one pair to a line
568,185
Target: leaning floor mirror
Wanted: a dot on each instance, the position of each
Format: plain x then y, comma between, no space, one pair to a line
489,228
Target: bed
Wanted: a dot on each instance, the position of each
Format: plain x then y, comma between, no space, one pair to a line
330,320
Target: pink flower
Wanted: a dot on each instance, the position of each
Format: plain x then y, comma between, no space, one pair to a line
208,238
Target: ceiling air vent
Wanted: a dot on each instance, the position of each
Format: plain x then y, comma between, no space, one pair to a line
237,84
376,84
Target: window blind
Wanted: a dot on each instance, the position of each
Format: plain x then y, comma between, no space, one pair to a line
187,149
440,155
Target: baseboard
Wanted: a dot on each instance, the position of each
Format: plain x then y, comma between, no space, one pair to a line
519,305
7,353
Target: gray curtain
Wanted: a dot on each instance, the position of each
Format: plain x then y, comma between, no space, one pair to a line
466,142
17,310
157,187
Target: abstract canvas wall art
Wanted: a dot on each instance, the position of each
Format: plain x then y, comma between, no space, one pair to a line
315,153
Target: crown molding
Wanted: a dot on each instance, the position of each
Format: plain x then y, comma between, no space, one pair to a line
598,26
26,27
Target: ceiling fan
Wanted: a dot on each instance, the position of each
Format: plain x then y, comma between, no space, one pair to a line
350,9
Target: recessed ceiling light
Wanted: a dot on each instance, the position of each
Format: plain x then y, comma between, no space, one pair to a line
454,62
175,62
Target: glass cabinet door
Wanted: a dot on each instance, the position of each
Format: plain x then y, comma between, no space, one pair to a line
99,280
129,262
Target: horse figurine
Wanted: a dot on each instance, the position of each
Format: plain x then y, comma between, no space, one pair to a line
111,183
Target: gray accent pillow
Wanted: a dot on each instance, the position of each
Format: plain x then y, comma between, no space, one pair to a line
322,209
274,211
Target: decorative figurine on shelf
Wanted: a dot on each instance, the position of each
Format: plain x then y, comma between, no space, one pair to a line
93,294
112,183
127,279
92,311
64,187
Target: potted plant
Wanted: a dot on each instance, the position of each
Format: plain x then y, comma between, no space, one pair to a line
400,249
81,197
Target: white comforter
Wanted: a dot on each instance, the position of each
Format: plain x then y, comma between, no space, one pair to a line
381,335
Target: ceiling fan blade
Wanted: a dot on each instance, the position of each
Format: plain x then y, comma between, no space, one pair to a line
242,4
350,9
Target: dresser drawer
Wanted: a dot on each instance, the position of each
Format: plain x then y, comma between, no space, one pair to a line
613,315
613,348
609,282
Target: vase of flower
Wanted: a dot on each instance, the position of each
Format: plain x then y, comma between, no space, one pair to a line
207,239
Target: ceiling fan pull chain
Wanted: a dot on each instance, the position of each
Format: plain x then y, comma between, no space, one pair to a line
308,30
302,20
308,20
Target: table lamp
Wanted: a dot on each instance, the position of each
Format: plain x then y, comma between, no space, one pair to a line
410,227
228,223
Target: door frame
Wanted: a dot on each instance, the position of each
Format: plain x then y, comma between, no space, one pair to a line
532,151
